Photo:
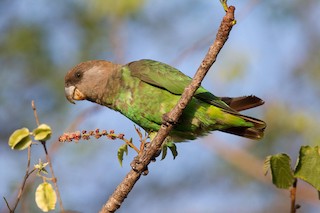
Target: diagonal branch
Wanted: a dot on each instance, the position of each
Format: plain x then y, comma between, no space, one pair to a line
140,163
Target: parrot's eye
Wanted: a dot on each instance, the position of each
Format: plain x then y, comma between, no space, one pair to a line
77,74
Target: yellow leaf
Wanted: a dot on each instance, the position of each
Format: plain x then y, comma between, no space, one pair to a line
20,139
46,197
42,133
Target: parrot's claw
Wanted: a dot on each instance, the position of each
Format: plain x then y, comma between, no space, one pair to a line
136,164
138,167
145,172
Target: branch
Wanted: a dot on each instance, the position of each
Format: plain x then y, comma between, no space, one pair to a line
140,163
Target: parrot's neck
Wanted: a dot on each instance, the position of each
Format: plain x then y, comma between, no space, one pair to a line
110,89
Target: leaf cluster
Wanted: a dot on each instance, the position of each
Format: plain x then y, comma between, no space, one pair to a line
307,168
20,139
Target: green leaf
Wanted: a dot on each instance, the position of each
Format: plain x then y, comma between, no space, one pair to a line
46,197
20,139
41,167
173,148
122,149
281,172
164,151
42,133
308,168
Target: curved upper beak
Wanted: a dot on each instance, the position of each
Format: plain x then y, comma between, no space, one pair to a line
69,92
72,93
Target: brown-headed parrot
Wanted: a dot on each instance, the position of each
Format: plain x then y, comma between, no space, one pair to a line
145,90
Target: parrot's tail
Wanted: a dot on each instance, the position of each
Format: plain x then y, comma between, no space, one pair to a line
243,102
255,132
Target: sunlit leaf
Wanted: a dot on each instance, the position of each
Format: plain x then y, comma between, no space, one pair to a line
308,168
46,197
122,149
42,133
281,172
20,139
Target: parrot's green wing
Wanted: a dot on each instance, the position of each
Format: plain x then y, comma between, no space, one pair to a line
171,79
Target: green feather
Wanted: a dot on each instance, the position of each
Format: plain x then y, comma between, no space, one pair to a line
156,88
171,79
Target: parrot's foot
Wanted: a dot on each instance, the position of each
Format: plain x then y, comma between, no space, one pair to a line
167,120
137,166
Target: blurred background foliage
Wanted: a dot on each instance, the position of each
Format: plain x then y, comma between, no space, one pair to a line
273,52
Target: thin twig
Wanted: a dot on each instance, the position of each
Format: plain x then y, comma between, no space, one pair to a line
85,135
140,163
54,179
23,182
293,191
8,206
35,112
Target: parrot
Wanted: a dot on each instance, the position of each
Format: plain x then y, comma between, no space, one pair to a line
145,90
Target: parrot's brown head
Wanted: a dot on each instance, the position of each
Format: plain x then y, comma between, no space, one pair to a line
88,80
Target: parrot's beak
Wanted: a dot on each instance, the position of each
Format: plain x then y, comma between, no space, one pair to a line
69,91
72,93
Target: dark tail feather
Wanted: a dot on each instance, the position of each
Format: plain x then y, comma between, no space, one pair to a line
250,133
255,132
243,103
